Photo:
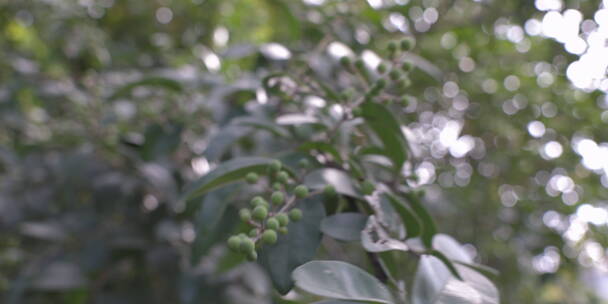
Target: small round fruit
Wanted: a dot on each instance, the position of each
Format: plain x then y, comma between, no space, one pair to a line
407,66
283,177
272,223
345,61
257,201
404,83
283,230
391,47
247,246
304,163
253,232
407,44
234,243
295,214
301,191
367,187
245,215
277,186
277,198
380,84
269,236
329,190
381,68
252,256
252,178
283,219
360,64
394,74
260,213
275,165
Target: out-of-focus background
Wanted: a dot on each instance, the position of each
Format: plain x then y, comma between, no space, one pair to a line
107,107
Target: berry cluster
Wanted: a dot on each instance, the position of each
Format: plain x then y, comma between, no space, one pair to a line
268,218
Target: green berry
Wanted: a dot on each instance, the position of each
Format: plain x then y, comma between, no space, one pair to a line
391,47
252,177
247,245
345,61
380,84
283,219
295,214
407,44
277,198
360,64
329,190
357,112
253,232
404,83
283,230
404,101
407,66
394,75
260,213
381,68
283,177
252,256
272,223
256,201
234,243
277,186
245,215
269,236
275,165
304,163
367,187
301,191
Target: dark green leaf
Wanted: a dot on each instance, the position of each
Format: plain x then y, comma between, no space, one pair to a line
409,219
429,229
340,280
344,226
297,247
388,130
447,263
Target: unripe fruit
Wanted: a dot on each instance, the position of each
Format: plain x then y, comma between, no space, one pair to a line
391,47
277,198
269,236
394,74
367,187
304,163
252,178
283,219
404,101
260,213
245,215
381,68
407,44
360,64
283,177
247,246
275,165
234,243
295,214
283,230
301,191
277,186
380,84
329,190
252,256
272,223
404,83
253,232
257,201
407,66
345,61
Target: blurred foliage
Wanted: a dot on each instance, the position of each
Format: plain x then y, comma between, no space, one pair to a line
108,109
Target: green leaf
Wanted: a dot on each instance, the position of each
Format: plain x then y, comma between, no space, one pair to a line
297,247
228,172
388,130
409,219
214,221
446,262
165,83
318,179
340,280
435,284
429,229
344,226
